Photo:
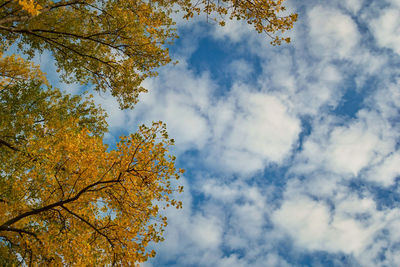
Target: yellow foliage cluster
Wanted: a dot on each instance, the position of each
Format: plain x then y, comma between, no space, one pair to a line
13,68
65,197
30,6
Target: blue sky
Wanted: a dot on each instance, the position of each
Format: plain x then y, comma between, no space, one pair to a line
291,152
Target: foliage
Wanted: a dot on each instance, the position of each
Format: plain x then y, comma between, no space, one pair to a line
14,68
65,199
116,44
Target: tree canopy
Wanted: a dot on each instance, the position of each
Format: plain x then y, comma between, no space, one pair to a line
65,198
116,44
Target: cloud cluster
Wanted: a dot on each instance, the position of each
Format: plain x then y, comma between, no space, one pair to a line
385,26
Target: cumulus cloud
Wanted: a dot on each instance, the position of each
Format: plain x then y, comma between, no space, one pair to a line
312,225
350,149
260,129
332,32
385,28
241,69
234,30
346,149
353,6
386,172
341,222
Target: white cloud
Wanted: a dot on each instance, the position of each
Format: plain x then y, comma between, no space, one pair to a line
324,91
387,100
240,69
351,148
387,171
258,129
206,232
314,226
306,87
234,30
353,6
263,126
386,28
332,33
305,220
346,149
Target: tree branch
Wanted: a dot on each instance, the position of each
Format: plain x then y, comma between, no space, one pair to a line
4,143
88,223
7,224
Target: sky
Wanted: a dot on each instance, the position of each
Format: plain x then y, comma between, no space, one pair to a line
292,153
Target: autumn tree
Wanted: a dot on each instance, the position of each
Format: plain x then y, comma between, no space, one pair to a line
116,44
65,197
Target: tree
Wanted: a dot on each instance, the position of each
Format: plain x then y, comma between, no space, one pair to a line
116,44
65,198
